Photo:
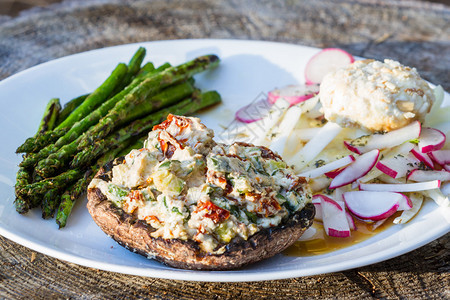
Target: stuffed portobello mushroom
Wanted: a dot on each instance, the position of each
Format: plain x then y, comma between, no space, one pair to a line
192,203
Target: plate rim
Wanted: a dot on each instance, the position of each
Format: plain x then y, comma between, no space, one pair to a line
205,276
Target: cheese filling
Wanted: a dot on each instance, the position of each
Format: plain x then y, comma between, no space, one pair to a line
189,187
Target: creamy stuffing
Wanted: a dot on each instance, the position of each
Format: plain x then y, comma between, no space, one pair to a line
375,95
189,187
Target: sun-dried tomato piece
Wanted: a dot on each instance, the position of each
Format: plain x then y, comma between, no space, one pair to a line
181,122
213,212
165,124
135,195
168,144
268,206
148,219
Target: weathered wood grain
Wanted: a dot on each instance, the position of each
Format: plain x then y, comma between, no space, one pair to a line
414,32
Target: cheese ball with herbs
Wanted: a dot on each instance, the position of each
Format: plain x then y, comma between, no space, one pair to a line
375,95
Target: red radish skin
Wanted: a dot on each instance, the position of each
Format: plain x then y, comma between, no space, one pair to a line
400,187
313,173
386,170
334,218
372,206
421,175
404,203
398,165
431,139
388,140
293,93
352,148
423,157
442,157
327,60
351,222
333,174
360,167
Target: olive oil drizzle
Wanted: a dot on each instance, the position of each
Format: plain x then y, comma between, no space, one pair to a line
323,244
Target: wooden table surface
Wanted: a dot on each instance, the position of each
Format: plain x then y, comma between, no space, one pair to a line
417,33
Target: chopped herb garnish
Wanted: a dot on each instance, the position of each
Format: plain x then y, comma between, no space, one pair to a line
115,190
176,210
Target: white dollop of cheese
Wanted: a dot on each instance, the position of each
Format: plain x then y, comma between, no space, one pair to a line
375,95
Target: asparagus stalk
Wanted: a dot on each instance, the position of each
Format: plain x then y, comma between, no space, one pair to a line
69,198
148,67
57,182
147,88
133,68
22,203
97,97
51,113
81,126
50,203
24,175
38,142
185,107
48,122
55,161
70,106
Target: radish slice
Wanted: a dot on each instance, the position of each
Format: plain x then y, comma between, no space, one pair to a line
293,93
416,200
431,139
372,205
420,175
351,222
254,111
334,218
316,200
386,170
399,165
388,140
338,196
400,187
442,157
374,173
447,168
327,60
422,157
328,167
404,203
333,174
360,167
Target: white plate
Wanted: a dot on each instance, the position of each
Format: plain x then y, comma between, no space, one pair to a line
248,68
